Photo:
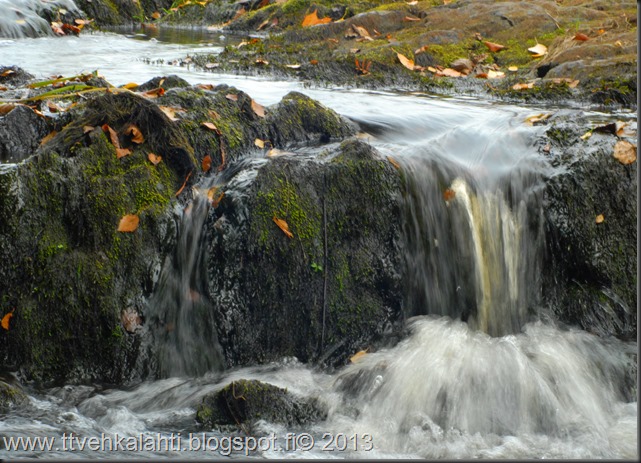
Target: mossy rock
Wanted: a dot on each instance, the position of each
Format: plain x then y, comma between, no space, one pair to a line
247,401
11,397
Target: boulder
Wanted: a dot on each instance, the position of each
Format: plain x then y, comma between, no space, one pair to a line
11,397
243,402
590,278
21,131
329,284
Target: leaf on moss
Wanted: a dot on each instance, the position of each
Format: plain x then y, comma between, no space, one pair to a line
405,61
599,218
312,19
283,226
135,133
6,319
129,223
154,158
48,138
494,47
538,50
625,152
258,109
113,136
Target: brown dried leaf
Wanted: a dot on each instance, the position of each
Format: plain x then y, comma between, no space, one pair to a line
87,128
405,61
523,86
206,164
231,97
312,19
362,32
258,109
180,190
494,47
122,152
113,136
156,15
537,118
449,72
48,138
210,126
154,158
215,196
538,50
625,152
135,133
170,112
411,19
581,37
155,93
131,321
394,162
283,226
129,223
6,319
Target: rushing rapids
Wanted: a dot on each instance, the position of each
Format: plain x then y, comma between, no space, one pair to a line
484,372
24,18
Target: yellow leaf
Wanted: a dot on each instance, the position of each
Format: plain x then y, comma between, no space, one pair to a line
537,118
538,50
5,320
130,86
599,218
625,152
283,226
129,223
260,143
513,68
586,135
155,15
358,356
405,61
312,20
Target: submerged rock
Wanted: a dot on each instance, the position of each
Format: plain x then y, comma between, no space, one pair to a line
330,287
591,278
247,401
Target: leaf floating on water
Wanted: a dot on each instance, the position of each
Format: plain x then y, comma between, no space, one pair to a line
135,133
283,226
449,194
358,356
206,164
599,218
129,223
6,319
180,190
312,19
154,158
625,152
258,109
538,50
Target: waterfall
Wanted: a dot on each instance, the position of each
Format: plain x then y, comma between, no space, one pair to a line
185,337
23,18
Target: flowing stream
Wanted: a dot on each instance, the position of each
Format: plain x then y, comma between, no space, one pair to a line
483,373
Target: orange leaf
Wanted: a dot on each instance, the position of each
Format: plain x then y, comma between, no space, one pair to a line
215,196
155,93
7,72
184,184
113,136
581,37
449,194
313,62
312,20
258,109
494,47
206,164
5,320
136,134
129,223
154,158
122,152
48,138
405,61
283,226
232,97
625,152
155,15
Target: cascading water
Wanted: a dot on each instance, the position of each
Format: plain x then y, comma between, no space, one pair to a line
23,18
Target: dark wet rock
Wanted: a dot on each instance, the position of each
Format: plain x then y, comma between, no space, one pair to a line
11,397
13,76
21,131
591,278
247,401
331,289
121,12
167,82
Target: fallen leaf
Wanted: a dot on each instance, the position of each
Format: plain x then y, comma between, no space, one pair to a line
538,50
494,47
122,152
154,158
581,37
206,164
449,194
332,40
232,97
180,190
313,62
462,65
405,61
354,50
293,66
586,135
205,86
523,86
411,19
547,148
171,112
573,84
283,226
513,68
312,19
394,162
423,49
259,143
258,109
6,319
618,44
130,85
362,32
87,128
156,15
129,223
7,73
48,138
412,3
625,152
7,108
537,118
135,133
155,93
449,72
210,126
495,74
358,356
113,136
263,25
54,108
215,196
211,66
599,218
261,62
